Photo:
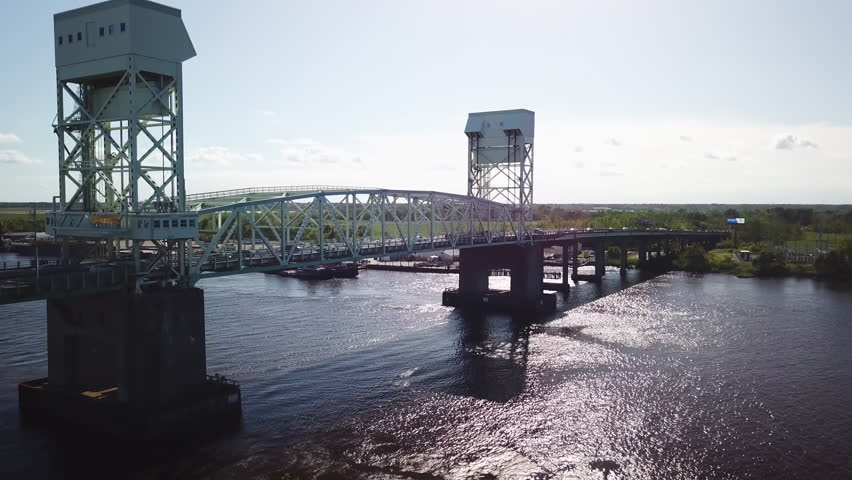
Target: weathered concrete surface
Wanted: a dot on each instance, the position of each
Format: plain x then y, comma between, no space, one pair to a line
527,265
150,346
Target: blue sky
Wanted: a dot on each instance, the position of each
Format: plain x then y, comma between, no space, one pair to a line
653,101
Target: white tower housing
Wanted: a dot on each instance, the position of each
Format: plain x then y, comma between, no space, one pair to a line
120,124
500,157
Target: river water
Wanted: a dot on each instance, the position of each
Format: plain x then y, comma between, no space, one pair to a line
677,376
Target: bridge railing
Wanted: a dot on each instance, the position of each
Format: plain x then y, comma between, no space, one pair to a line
65,282
282,189
25,264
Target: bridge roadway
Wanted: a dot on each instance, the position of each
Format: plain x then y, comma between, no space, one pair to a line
20,282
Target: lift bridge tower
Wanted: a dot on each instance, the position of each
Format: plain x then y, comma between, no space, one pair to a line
139,356
500,158
119,123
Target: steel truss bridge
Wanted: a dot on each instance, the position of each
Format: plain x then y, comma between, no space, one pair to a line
341,226
293,227
298,230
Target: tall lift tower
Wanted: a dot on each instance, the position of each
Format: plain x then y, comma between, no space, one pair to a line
119,124
500,158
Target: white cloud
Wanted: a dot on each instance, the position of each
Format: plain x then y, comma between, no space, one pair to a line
713,156
685,138
651,154
9,138
730,144
307,152
792,142
222,157
578,149
15,157
613,142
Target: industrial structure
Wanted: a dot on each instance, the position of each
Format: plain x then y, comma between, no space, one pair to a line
126,330
119,124
500,158
131,353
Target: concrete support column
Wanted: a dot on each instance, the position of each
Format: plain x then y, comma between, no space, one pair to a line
566,267
600,259
527,273
527,265
623,270
643,252
474,269
575,258
150,346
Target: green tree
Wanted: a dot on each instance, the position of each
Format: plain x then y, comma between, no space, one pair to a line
770,263
693,259
836,264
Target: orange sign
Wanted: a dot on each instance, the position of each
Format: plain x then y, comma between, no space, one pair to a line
106,220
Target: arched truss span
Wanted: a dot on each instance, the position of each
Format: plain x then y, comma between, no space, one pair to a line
329,227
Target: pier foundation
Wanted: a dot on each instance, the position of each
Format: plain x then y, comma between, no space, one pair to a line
526,263
119,361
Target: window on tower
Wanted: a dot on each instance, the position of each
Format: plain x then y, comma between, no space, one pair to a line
70,38
60,39
79,36
111,29
101,31
123,26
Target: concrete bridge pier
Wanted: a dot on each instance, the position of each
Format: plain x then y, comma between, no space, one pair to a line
473,272
566,266
600,260
643,253
120,363
623,269
575,259
600,264
526,263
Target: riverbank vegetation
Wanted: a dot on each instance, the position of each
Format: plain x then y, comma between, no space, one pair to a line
835,264
808,227
21,222
821,236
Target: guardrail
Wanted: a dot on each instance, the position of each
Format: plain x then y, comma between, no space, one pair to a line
53,284
283,189
25,264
